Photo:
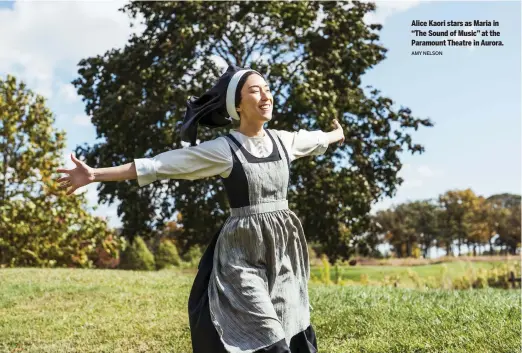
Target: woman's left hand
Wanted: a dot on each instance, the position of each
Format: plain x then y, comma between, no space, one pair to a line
339,129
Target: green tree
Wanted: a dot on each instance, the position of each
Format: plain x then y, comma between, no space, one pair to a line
137,256
313,54
39,224
457,220
505,200
509,229
166,255
482,220
398,228
424,216
502,207
408,226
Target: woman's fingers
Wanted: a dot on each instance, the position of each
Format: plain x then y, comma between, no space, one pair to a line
76,160
71,190
65,181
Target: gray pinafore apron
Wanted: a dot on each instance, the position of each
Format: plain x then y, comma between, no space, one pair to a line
258,282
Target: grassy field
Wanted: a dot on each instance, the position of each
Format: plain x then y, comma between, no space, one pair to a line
435,271
73,310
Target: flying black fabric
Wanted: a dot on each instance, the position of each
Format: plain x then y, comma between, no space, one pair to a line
210,109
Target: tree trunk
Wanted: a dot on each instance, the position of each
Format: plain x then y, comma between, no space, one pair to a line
398,250
448,249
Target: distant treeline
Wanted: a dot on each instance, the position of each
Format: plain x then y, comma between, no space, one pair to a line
456,219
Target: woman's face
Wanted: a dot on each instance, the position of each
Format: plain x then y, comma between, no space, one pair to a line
256,99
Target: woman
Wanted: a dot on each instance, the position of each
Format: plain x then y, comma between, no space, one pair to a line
251,290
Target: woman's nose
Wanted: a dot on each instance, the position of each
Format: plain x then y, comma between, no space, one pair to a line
265,96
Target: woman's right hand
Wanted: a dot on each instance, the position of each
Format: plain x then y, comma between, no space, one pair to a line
77,177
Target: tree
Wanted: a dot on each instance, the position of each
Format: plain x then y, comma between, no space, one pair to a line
425,217
458,217
509,229
410,225
397,228
137,257
39,224
482,220
505,200
504,213
313,54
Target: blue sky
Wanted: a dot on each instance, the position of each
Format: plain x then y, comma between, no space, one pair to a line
472,95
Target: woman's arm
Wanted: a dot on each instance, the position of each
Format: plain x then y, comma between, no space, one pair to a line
205,160
309,143
83,175
121,172
335,135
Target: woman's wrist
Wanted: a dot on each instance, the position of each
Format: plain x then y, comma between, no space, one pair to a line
335,135
122,172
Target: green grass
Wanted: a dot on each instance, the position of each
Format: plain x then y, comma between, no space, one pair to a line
73,310
377,273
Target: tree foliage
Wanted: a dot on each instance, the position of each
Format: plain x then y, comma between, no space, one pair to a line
457,217
313,55
137,256
167,255
39,224
506,212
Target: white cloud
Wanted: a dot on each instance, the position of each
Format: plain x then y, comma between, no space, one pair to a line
220,62
82,120
418,183
425,171
412,183
418,176
429,172
109,213
66,160
68,93
41,44
386,9
37,38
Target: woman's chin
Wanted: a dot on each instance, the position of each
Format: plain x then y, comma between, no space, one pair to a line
266,116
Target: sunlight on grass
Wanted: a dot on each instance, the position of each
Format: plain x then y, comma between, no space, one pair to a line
74,310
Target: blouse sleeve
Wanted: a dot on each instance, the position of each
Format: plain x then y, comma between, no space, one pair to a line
303,143
207,159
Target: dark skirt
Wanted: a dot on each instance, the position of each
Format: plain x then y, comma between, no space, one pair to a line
205,338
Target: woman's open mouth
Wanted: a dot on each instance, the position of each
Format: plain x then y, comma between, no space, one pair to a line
266,106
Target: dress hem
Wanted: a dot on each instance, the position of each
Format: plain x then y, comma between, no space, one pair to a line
234,349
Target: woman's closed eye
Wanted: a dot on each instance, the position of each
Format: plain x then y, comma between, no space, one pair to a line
267,90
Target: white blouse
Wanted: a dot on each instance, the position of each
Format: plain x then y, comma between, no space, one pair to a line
214,157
